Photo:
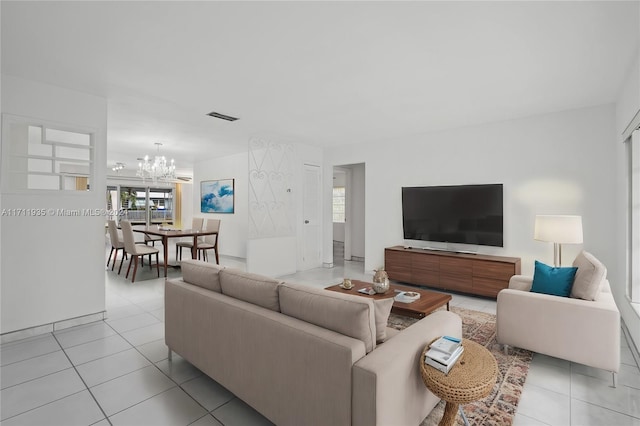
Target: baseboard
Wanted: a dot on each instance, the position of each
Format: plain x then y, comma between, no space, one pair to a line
25,333
357,259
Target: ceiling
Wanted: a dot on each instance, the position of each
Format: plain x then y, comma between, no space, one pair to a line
321,73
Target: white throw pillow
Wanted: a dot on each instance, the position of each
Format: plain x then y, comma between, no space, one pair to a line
589,277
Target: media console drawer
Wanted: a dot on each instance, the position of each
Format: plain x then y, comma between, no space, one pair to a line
479,274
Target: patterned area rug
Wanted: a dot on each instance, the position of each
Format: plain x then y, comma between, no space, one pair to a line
500,406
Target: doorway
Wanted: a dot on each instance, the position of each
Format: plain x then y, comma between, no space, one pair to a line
348,213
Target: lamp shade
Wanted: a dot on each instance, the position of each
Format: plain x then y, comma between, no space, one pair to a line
563,229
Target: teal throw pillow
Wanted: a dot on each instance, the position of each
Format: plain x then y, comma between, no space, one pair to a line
551,280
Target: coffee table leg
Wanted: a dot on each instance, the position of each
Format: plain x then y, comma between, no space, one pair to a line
450,413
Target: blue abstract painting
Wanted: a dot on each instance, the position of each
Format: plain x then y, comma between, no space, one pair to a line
216,196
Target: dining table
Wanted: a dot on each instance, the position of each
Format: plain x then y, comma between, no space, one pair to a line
166,233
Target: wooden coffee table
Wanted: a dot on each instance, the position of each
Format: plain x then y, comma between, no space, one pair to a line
429,300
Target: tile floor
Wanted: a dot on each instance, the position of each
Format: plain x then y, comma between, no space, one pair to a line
116,371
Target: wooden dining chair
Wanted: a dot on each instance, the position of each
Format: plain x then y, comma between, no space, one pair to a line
210,241
116,244
136,250
196,224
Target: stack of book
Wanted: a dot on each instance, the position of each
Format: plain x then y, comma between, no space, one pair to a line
443,353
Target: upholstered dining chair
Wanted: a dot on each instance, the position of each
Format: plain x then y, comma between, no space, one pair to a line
116,244
136,250
210,241
196,224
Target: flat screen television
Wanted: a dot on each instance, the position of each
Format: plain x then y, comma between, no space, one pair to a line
468,214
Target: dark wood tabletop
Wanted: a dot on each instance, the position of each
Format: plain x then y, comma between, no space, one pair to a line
429,300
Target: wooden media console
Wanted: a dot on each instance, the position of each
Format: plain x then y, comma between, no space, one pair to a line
479,274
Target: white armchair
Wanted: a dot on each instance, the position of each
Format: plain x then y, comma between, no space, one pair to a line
583,331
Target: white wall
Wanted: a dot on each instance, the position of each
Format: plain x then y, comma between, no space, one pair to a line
52,268
188,195
628,102
233,227
552,164
358,210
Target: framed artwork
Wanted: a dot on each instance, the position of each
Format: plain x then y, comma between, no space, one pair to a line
217,196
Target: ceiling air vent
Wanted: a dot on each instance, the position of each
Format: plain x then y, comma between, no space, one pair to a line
222,116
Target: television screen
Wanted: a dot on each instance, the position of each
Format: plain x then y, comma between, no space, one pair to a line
469,214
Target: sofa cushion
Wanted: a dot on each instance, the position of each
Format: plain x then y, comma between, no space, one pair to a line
252,288
556,281
202,274
382,309
350,315
589,277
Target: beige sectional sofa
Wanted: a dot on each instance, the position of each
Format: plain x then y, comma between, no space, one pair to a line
299,355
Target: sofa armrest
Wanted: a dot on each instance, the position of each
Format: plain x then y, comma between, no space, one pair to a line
387,385
582,331
520,282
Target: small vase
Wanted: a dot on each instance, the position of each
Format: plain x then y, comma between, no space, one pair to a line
380,281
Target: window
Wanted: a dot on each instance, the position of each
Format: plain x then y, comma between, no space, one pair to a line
43,156
338,204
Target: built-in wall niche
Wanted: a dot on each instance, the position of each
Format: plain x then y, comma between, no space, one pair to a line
45,156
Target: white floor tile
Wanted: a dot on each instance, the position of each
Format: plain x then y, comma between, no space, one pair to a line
544,405
178,369
152,304
111,367
585,414
154,351
33,368
123,311
550,376
158,313
147,334
522,420
237,413
97,349
29,348
35,393
131,389
83,333
207,420
621,399
123,325
628,375
545,359
78,409
171,408
207,392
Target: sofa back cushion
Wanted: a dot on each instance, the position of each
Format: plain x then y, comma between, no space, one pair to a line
202,274
589,277
252,288
350,315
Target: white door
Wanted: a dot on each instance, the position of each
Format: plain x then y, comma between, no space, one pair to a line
311,212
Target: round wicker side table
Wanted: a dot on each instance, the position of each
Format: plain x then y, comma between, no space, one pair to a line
472,378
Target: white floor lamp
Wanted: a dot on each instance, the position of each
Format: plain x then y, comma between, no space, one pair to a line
558,229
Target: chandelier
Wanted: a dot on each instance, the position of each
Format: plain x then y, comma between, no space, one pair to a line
158,168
